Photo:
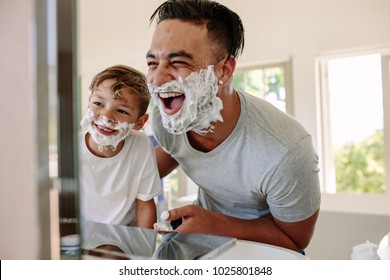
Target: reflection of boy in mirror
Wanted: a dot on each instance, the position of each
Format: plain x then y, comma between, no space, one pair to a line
119,177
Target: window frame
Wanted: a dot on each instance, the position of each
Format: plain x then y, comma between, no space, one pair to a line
378,204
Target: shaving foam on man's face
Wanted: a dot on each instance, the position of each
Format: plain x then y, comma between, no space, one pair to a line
103,131
200,106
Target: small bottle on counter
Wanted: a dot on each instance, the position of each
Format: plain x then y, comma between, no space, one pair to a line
365,251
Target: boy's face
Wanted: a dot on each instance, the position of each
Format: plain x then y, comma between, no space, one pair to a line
124,108
111,116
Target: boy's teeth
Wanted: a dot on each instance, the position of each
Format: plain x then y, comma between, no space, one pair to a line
105,129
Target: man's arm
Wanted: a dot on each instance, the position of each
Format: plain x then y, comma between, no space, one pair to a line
166,164
295,236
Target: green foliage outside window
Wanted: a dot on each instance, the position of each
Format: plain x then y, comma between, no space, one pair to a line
360,167
266,83
261,82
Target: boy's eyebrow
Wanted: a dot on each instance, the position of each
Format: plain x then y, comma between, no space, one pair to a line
128,106
185,54
96,92
121,100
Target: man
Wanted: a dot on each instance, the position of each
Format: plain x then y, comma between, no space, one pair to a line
255,166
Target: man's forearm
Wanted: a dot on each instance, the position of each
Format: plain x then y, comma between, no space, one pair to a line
263,230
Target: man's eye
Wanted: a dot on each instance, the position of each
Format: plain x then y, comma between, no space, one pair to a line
179,63
152,64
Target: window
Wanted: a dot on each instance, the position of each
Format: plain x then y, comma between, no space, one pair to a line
271,82
354,92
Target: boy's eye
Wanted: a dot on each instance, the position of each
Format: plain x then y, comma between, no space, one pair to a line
123,112
97,103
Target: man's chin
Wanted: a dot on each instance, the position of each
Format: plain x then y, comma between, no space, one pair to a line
171,112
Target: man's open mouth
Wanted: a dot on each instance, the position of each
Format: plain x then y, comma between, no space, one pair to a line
171,101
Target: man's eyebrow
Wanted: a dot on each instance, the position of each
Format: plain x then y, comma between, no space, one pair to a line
150,55
185,54
180,54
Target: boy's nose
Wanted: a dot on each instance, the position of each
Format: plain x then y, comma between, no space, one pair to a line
107,116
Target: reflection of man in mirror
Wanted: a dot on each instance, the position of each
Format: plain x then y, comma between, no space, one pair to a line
255,166
182,246
107,251
119,177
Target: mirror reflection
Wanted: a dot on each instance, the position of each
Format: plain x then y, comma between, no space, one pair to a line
109,241
201,123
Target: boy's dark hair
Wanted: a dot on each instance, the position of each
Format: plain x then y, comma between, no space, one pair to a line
126,77
223,25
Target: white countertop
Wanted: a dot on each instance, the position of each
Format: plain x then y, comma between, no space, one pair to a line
248,250
384,247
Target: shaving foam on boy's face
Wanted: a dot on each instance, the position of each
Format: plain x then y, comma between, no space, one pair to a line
114,133
200,107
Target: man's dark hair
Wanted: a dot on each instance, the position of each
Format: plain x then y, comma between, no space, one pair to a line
223,25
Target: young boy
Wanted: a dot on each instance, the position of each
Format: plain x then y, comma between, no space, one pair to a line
119,177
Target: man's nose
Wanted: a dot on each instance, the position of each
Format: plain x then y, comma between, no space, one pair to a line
160,76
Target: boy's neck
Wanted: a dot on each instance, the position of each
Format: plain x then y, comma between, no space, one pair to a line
106,152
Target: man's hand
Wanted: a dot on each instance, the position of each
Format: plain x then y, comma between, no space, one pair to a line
195,219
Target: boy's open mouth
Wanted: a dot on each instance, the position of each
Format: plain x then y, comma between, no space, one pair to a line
105,130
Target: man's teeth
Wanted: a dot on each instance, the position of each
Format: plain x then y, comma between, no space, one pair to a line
169,94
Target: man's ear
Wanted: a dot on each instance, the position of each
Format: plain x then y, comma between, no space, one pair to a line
141,122
226,70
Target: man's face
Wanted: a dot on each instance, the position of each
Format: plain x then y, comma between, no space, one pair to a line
183,77
177,49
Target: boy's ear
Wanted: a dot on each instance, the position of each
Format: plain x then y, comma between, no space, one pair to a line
141,122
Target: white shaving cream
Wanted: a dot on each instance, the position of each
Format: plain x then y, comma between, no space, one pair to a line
90,120
201,105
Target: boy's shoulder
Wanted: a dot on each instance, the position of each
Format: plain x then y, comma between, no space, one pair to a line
140,134
140,137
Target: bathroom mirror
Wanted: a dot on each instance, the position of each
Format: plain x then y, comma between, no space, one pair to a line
105,241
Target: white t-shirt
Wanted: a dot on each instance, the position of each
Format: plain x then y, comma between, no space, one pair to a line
109,186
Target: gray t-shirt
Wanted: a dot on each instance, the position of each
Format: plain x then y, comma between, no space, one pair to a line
266,165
